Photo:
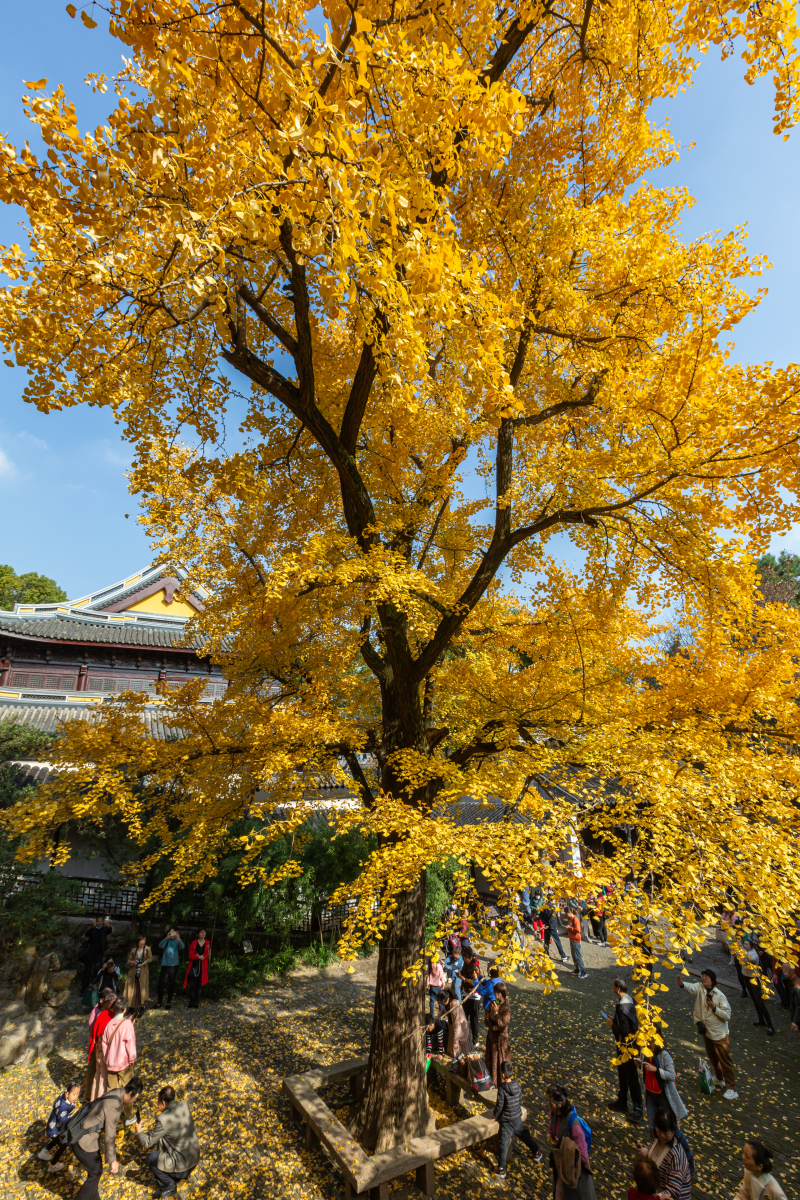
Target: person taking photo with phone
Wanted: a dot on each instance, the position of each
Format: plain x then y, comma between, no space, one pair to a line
711,1014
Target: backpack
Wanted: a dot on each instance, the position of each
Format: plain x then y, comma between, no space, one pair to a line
628,1014
75,1127
587,1133
454,944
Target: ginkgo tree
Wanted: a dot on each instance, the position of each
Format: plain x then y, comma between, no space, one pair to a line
427,391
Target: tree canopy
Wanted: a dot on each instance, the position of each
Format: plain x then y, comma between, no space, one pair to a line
428,392
780,578
29,588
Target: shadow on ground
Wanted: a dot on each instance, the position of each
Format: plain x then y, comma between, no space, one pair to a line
228,1060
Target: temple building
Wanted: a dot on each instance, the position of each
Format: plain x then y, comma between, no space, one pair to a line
56,660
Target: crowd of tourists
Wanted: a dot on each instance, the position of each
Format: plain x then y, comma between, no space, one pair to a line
112,1087
101,973
461,993
468,1005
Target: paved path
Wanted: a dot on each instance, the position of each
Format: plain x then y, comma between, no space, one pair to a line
229,1060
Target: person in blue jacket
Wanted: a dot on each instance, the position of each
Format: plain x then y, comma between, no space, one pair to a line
63,1108
486,987
170,961
452,964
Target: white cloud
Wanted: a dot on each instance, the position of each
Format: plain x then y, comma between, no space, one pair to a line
114,457
32,441
7,468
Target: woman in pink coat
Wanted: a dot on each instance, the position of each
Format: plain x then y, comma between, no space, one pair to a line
197,971
119,1051
435,981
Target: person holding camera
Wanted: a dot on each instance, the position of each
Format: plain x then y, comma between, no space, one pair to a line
711,1014
137,979
172,1142
108,977
197,971
93,951
170,960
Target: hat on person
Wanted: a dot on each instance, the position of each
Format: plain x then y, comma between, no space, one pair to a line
712,975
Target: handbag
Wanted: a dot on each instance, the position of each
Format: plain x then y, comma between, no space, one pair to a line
700,1027
705,1078
479,1075
76,1126
567,1160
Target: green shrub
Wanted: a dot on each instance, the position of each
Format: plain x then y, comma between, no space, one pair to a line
34,915
440,885
233,974
318,955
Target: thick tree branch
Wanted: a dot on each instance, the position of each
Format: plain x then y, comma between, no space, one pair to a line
265,316
496,552
359,396
513,40
359,777
555,410
304,357
356,501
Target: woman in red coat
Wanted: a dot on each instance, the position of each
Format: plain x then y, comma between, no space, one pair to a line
197,971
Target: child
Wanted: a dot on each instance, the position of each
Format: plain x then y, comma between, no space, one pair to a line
452,965
645,1176
435,1038
435,981
508,1114
63,1108
486,987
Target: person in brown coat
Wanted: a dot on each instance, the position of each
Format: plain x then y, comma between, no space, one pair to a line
497,1021
137,980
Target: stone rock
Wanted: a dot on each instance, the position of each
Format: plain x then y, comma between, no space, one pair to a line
57,988
54,960
10,1014
31,1037
56,999
58,980
35,986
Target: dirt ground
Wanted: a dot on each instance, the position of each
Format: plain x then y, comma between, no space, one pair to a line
228,1060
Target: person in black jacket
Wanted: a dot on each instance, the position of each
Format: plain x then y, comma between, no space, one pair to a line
96,941
508,1114
547,915
435,1039
623,1025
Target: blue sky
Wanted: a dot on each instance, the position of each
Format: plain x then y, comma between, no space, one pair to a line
62,484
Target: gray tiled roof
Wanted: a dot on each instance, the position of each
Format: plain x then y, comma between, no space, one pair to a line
28,772
472,812
45,717
138,586
70,628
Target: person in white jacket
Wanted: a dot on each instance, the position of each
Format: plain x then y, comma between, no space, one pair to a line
711,1014
758,1184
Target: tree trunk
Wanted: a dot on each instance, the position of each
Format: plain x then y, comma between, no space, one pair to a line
395,1104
